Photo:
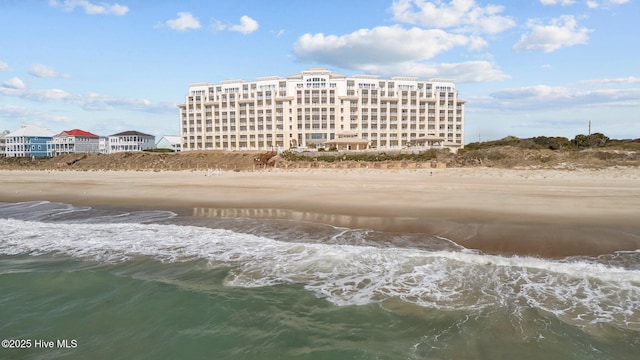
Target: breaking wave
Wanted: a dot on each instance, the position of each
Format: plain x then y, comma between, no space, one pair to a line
583,292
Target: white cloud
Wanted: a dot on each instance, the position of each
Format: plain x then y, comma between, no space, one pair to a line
45,95
557,2
247,25
593,4
394,50
597,82
465,72
94,101
545,96
528,92
460,15
4,66
88,101
91,8
382,45
36,117
477,43
14,111
185,21
35,94
218,26
14,83
560,32
42,71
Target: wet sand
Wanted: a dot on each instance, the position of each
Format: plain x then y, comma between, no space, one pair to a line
547,213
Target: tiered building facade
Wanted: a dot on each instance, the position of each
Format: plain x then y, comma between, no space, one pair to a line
317,107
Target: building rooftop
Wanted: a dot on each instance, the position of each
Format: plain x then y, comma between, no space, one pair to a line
172,139
31,131
131,133
78,132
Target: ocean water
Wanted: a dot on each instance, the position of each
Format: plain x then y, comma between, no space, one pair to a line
79,282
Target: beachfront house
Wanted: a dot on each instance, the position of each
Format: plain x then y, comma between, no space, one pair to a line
3,143
28,141
169,142
130,141
74,141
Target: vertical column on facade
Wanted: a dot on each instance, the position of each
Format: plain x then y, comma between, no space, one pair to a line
460,121
394,114
235,116
364,112
184,123
279,116
324,112
413,120
449,116
191,123
202,123
440,113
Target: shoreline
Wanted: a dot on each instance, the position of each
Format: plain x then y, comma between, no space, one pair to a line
548,213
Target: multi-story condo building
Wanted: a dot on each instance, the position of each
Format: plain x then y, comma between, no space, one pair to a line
73,142
320,108
130,141
28,141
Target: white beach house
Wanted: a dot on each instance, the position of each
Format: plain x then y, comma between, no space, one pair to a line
3,143
130,141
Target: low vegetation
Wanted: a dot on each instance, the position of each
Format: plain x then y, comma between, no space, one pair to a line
364,156
143,161
584,151
588,151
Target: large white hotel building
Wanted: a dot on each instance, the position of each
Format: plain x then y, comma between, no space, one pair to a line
319,108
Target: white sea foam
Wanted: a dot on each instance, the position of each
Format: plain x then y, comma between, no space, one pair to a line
54,211
578,292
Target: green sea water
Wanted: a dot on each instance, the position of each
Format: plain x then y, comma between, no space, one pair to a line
135,290
145,309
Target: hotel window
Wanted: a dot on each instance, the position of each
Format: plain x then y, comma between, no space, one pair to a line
316,82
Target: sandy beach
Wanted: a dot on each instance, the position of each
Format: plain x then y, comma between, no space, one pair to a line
547,213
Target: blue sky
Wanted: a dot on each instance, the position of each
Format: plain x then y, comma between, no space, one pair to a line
525,68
